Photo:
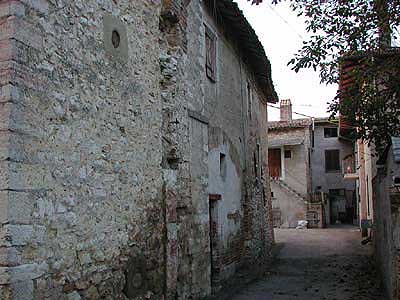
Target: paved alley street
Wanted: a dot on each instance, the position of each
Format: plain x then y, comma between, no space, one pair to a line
327,264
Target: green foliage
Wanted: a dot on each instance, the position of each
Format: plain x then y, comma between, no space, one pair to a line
369,99
341,28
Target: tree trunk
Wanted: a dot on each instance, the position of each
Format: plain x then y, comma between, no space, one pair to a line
382,11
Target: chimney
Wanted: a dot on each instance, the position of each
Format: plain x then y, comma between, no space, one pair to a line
286,110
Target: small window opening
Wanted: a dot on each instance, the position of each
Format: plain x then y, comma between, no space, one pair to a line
222,165
288,153
115,39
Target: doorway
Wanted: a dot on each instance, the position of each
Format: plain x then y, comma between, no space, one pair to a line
341,207
274,161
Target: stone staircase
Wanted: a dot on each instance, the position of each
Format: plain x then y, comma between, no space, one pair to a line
284,186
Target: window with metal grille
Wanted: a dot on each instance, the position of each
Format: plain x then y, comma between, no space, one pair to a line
211,54
332,160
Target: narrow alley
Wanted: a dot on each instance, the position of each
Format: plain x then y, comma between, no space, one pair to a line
322,264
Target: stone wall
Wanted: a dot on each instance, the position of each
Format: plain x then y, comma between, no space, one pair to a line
81,176
200,123
106,129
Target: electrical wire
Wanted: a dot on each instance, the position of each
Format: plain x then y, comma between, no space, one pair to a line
286,22
308,116
311,117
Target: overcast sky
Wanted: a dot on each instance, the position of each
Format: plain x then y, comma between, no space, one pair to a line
281,31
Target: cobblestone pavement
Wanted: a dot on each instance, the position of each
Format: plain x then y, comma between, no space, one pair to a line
320,264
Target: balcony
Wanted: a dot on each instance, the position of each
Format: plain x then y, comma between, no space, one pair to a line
349,168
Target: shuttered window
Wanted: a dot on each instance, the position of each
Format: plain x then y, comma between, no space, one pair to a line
211,54
332,160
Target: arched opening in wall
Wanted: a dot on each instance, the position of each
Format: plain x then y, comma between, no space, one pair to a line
115,39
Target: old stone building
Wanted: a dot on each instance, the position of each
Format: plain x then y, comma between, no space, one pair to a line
305,162
132,148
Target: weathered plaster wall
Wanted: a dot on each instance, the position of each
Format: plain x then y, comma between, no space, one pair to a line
295,169
82,151
291,192
319,176
243,211
387,226
292,207
223,107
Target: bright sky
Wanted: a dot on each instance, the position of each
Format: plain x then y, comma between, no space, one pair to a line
281,31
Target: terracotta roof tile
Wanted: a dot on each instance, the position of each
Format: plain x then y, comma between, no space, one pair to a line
296,123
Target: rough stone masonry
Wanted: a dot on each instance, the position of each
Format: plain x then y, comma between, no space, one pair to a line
105,126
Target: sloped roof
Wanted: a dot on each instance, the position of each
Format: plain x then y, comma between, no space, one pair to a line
296,123
290,141
252,51
347,82
359,55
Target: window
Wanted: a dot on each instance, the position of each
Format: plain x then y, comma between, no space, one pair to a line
222,165
288,154
211,54
332,160
330,132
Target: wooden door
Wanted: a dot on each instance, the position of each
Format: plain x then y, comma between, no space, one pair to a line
274,162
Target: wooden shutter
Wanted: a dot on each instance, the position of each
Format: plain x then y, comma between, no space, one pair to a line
211,54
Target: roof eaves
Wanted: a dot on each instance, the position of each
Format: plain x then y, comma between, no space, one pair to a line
252,50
